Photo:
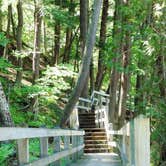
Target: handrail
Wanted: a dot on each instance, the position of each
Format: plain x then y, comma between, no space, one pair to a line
22,135
14,133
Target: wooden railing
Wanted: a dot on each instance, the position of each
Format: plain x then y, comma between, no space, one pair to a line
133,139
73,143
133,142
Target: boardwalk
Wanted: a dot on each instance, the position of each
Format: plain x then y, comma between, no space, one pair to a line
98,160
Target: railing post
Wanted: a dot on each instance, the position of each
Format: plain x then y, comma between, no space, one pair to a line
142,141
81,143
57,141
74,144
66,147
43,147
23,151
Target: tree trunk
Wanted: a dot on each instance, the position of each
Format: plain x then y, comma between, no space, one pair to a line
117,40
125,74
57,34
84,7
5,117
91,74
66,56
44,38
37,40
13,25
1,17
19,41
85,64
101,66
5,54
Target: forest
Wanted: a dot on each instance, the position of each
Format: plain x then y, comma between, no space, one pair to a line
54,51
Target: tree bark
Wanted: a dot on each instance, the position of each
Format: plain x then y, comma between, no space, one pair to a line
101,66
5,54
37,40
5,116
1,17
57,34
66,56
84,7
19,41
117,40
85,64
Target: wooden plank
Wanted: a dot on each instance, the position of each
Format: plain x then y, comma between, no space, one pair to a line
84,99
54,157
43,147
74,144
23,151
66,147
57,141
13,133
142,141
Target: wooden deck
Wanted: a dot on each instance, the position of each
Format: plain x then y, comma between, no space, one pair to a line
98,159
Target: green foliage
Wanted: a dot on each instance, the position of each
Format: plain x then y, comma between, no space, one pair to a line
3,39
6,150
4,65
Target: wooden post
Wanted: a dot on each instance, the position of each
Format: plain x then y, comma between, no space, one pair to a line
23,151
132,146
66,147
142,141
57,141
74,144
43,147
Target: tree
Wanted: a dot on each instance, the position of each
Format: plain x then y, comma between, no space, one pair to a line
5,116
85,63
57,33
117,51
84,7
37,39
5,54
101,66
69,36
19,40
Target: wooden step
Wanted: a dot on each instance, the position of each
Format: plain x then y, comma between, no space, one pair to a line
96,146
95,133
88,125
95,142
96,150
95,137
87,122
86,114
94,129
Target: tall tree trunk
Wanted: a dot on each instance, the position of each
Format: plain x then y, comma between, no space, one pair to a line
44,37
162,82
117,40
36,53
37,40
85,63
66,55
57,34
5,116
91,74
84,7
1,17
125,74
5,54
19,41
13,25
101,66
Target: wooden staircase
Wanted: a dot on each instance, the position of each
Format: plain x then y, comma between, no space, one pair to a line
95,138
